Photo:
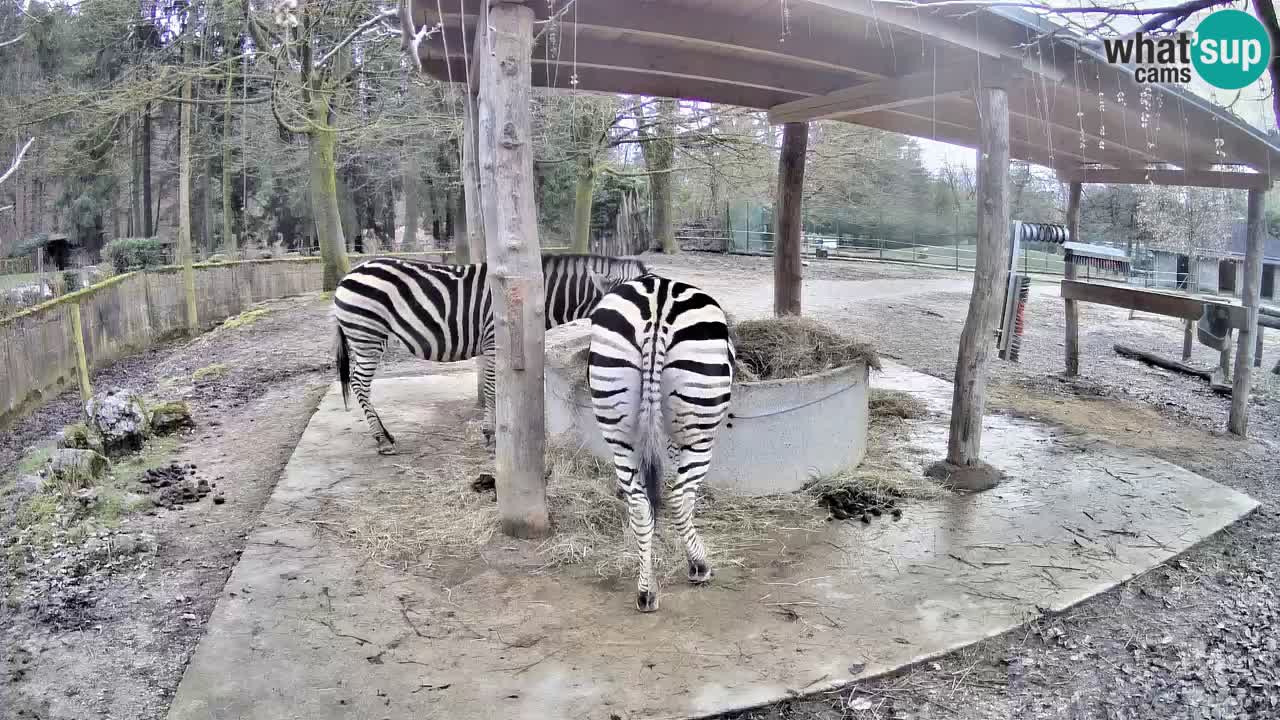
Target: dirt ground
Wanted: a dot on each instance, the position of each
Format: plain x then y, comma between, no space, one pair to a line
1193,638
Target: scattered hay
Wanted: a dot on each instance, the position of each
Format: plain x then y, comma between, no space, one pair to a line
591,527
896,404
884,477
793,346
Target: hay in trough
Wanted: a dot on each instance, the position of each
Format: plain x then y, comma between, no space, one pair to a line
768,349
793,346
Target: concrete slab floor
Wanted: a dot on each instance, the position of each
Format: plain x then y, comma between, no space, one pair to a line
309,628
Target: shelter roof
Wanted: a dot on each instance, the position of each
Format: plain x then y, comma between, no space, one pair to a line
904,69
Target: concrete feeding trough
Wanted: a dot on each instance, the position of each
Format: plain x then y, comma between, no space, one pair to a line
781,433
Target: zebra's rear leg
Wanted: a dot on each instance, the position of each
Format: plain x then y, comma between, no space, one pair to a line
691,467
489,423
364,366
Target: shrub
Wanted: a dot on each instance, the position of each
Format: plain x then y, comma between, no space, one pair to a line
127,254
70,280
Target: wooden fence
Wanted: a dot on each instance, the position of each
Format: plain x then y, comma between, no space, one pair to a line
129,313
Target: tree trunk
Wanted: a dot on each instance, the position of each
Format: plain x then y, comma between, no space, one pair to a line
323,142
184,206
410,173
515,269
1072,344
148,227
206,208
787,222
474,245
229,243
991,265
448,214
659,154
584,186
1250,297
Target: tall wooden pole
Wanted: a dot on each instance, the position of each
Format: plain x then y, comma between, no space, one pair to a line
1072,344
787,221
1250,297
515,266
991,269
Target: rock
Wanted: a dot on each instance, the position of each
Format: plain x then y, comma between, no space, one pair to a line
120,419
129,544
170,417
76,469
217,258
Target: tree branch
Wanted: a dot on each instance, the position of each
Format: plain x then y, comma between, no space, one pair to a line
385,15
16,161
13,41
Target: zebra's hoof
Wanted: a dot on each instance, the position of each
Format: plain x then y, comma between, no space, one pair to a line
700,572
387,450
647,601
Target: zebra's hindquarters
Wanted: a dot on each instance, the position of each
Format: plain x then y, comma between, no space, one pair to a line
660,368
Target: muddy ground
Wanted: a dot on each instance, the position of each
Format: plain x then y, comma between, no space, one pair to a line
1193,638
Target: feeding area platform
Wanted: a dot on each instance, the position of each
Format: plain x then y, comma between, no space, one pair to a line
316,621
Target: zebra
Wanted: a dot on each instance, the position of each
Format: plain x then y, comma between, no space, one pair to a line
660,364
444,313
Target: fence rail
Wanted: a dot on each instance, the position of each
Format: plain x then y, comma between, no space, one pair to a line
957,255
129,313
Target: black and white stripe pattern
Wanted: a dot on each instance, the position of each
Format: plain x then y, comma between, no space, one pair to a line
444,313
660,367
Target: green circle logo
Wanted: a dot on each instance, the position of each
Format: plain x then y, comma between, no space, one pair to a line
1231,49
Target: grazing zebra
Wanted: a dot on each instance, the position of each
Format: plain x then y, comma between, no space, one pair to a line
445,313
660,364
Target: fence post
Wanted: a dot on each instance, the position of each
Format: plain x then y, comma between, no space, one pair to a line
82,362
956,246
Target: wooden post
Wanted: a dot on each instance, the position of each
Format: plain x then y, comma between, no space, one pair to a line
1257,349
515,266
1072,345
1238,421
82,363
1188,332
991,266
787,223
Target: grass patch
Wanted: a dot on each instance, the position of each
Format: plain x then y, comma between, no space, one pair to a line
54,509
210,372
244,319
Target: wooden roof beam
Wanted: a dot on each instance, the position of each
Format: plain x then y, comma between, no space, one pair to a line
703,29
668,59
926,23
890,93
1223,179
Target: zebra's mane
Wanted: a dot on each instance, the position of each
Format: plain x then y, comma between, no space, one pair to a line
600,264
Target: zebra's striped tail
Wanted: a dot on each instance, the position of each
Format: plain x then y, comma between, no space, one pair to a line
343,361
651,446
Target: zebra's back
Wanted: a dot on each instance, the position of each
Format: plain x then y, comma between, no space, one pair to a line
440,312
